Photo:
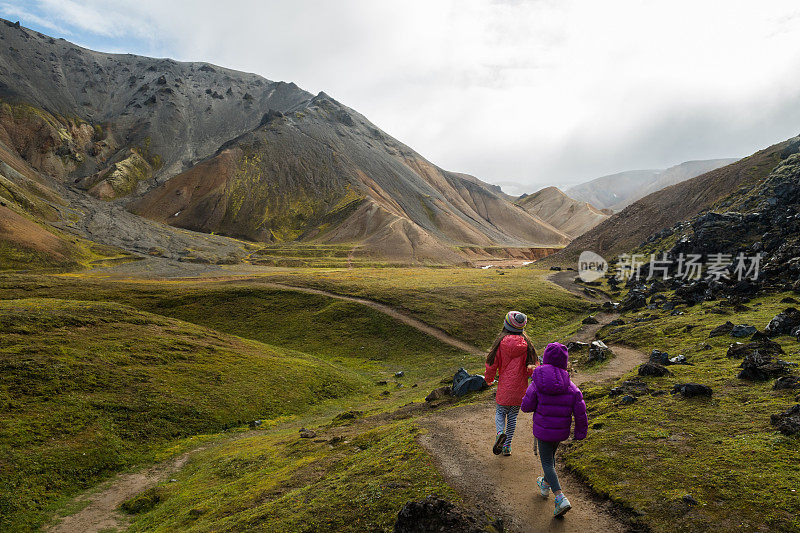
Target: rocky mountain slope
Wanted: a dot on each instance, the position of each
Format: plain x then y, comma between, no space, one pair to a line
628,229
571,216
617,191
209,149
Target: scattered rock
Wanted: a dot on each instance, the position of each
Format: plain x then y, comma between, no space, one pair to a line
255,423
653,369
658,357
758,366
576,346
788,422
464,382
385,393
740,350
627,400
783,323
635,299
307,433
631,387
598,351
678,360
724,329
689,499
617,322
435,514
691,390
399,374
438,394
743,330
787,382
556,268
382,382
589,320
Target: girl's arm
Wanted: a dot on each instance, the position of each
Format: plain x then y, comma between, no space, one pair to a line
491,370
581,418
530,401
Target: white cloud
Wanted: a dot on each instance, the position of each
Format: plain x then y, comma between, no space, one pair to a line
534,92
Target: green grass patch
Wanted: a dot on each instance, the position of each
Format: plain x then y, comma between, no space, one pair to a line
722,451
280,482
90,388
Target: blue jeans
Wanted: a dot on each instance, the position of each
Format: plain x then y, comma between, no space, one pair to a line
547,451
505,419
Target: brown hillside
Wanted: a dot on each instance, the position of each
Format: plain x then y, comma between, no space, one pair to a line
627,229
560,211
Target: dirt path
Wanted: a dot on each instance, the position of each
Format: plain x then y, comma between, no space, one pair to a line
460,441
383,308
101,512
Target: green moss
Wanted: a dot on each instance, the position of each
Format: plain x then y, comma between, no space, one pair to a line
279,482
722,451
89,388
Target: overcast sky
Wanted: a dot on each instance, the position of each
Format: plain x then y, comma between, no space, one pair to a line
519,93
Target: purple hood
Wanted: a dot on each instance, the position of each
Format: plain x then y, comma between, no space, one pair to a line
554,400
552,376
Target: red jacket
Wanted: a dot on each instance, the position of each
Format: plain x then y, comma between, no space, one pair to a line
514,374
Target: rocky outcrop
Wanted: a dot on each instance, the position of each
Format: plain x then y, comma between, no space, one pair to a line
433,515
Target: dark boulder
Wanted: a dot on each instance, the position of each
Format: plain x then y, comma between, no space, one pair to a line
723,329
635,299
739,350
631,387
617,322
438,394
743,330
787,382
658,357
761,367
788,422
576,346
307,433
692,390
627,400
433,515
590,320
783,323
653,369
464,382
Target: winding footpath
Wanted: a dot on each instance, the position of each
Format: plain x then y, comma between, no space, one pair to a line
460,441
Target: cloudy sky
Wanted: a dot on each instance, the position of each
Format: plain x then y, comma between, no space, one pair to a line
520,93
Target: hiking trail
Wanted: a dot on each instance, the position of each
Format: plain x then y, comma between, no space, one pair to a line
460,440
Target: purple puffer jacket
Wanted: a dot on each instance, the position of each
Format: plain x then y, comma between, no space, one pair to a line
554,399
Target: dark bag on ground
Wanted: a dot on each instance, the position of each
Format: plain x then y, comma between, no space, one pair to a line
464,382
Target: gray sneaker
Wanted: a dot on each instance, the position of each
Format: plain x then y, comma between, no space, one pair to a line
562,506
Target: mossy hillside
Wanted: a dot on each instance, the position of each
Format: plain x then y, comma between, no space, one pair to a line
722,451
356,481
262,206
345,333
89,388
123,177
467,303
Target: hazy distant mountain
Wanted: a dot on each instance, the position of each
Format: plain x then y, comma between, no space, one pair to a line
206,148
571,216
629,228
617,191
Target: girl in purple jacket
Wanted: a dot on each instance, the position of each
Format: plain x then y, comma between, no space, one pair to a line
554,400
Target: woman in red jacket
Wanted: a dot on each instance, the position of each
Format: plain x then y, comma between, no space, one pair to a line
514,357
